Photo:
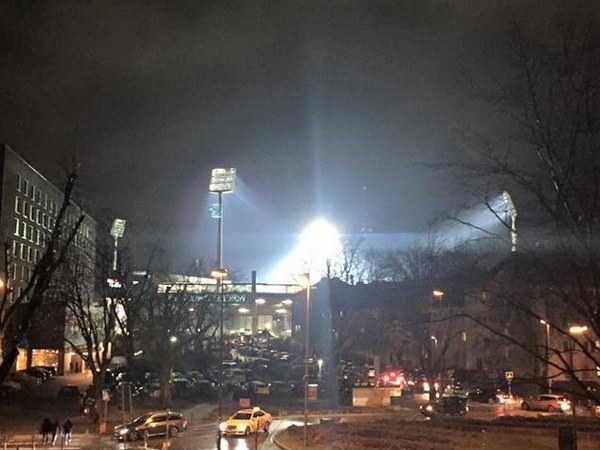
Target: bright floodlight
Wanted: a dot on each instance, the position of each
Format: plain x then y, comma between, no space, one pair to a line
319,243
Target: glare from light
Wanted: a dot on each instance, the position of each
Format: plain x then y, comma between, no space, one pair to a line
318,245
260,301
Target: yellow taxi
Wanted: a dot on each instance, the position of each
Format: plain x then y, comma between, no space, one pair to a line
245,422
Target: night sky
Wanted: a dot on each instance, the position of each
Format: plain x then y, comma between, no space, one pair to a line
326,109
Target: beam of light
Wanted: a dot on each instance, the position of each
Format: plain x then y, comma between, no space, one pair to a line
484,220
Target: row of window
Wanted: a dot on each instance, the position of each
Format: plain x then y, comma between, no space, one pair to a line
19,272
46,221
26,252
32,213
29,233
35,194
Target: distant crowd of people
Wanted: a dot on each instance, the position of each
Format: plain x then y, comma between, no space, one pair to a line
50,430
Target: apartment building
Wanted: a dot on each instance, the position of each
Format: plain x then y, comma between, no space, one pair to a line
29,205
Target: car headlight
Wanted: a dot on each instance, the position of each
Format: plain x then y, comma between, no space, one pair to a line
222,426
429,408
123,431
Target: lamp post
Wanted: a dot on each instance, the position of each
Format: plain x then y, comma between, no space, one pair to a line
547,354
258,301
304,281
220,275
221,182
574,330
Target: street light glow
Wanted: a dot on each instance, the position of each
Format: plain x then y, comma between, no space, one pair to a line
578,329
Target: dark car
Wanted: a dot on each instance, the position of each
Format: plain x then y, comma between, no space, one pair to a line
152,424
69,392
487,395
454,406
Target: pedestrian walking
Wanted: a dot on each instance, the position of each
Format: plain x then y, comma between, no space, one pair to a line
55,431
46,430
68,430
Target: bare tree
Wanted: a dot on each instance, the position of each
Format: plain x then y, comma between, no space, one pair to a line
171,319
92,310
550,164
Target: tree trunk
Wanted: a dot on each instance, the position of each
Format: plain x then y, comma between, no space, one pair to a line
166,397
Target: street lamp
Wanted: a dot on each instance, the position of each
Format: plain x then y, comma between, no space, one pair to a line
258,301
547,354
304,281
574,331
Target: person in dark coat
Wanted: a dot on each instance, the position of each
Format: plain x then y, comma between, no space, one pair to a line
68,430
46,430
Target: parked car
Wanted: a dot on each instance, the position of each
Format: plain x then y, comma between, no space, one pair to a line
155,423
26,381
37,372
454,406
9,388
51,369
182,387
246,421
70,392
258,388
546,402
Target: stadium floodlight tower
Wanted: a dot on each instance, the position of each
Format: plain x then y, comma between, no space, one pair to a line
221,182
512,212
116,231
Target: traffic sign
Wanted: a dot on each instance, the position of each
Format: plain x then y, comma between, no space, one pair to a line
509,374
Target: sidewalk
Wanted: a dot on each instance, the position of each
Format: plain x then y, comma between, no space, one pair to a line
195,414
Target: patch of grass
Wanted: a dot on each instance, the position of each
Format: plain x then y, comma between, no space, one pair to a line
403,435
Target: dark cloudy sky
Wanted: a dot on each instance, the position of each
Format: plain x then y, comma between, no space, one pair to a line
310,100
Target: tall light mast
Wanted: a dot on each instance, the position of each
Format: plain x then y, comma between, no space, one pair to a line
512,212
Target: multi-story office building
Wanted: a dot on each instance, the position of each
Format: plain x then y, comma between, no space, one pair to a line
28,211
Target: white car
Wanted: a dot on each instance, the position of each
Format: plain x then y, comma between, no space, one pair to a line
546,402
